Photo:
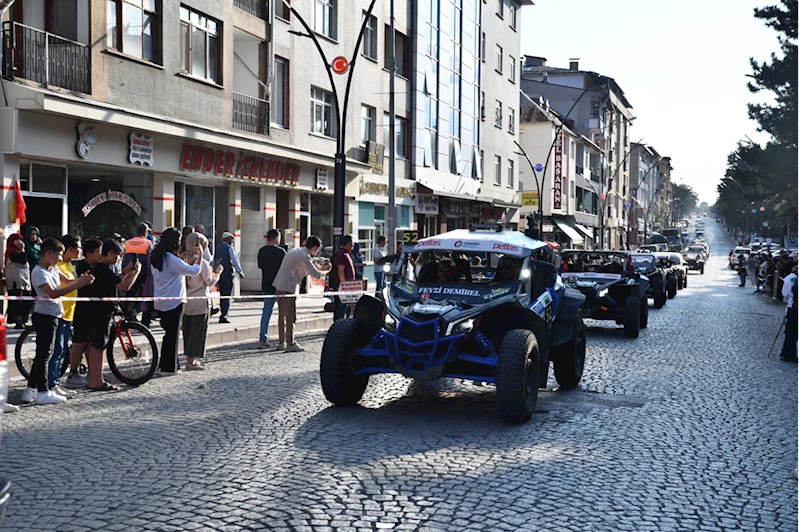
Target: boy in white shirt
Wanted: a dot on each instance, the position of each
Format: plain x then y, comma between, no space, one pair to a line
46,280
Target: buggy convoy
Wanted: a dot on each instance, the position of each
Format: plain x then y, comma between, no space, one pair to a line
481,304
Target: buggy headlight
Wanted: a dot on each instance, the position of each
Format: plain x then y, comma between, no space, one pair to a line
602,293
390,323
386,268
525,274
464,327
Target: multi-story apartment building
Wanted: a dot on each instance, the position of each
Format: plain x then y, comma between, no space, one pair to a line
601,112
568,198
222,114
465,116
644,180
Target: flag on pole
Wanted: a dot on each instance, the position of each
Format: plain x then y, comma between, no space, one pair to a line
20,206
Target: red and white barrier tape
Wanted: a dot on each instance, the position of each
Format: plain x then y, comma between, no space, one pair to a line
115,299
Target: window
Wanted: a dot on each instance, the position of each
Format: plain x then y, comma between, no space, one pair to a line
400,132
367,124
280,93
512,68
366,239
511,120
482,166
370,38
510,173
512,9
498,114
483,47
133,28
199,43
497,170
322,113
501,8
324,18
499,59
285,12
402,50
482,105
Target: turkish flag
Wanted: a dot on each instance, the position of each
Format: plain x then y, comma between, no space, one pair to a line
20,204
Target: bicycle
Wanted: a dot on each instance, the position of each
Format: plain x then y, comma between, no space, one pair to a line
132,352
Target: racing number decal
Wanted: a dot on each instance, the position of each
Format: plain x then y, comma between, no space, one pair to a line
410,237
548,314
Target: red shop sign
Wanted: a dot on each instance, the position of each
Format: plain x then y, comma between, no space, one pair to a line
196,158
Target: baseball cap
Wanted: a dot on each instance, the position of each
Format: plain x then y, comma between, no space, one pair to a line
227,235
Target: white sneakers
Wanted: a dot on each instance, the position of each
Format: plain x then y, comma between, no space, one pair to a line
197,366
281,346
294,348
9,408
63,392
50,398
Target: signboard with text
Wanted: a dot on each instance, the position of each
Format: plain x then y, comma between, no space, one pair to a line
426,204
529,199
557,184
142,149
350,291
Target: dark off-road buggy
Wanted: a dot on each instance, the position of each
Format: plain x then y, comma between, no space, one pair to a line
475,304
651,268
613,290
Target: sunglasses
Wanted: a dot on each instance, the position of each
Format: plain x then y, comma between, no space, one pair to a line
445,270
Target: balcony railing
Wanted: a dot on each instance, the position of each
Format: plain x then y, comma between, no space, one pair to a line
250,114
46,58
253,7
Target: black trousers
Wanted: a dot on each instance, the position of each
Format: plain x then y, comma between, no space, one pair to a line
225,289
18,311
170,322
45,327
789,346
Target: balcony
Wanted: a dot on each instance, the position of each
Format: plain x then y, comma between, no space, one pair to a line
250,114
46,58
253,7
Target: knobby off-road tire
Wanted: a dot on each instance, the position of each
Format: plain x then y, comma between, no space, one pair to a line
702,270
632,321
660,295
671,287
341,387
569,359
517,375
643,319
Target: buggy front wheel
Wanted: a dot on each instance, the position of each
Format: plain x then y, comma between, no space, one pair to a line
132,353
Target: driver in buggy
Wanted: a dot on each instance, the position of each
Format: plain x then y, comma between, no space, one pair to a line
508,270
613,266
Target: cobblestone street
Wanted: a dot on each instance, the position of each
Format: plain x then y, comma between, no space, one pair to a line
689,427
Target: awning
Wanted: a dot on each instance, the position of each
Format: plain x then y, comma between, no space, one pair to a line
440,191
584,230
573,235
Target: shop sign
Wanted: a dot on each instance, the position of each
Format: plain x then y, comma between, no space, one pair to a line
198,158
111,195
141,149
426,204
376,188
557,185
459,208
87,138
376,152
321,178
529,199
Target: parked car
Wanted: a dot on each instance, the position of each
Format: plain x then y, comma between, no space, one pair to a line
501,322
695,257
681,268
5,485
672,271
613,290
647,264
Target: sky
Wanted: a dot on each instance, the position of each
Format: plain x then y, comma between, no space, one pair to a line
682,64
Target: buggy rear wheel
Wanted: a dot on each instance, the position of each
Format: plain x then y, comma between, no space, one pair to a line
569,359
643,319
671,287
339,385
517,375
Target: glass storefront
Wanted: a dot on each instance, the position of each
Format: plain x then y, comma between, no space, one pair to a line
322,217
107,203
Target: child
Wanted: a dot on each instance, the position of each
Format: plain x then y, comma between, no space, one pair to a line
68,274
46,280
80,333
106,284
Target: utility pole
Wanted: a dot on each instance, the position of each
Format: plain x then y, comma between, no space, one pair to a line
392,135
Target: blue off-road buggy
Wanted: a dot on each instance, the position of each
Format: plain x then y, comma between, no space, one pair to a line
476,304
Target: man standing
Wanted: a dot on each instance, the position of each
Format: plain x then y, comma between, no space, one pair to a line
343,270
751,269
138,249
379,253
270,257
226,256
789,293
296,265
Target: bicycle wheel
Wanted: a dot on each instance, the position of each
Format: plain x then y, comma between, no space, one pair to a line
25,353
132,353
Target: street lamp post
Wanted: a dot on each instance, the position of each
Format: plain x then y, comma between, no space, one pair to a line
340,164
538,186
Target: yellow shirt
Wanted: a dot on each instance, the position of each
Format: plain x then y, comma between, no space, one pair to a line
68,270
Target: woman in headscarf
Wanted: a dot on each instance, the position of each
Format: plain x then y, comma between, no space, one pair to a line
169,281
196,313
33,248
18,280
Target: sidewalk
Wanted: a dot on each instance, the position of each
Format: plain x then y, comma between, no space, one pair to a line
245,326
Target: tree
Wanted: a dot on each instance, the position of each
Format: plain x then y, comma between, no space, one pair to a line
766,176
